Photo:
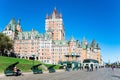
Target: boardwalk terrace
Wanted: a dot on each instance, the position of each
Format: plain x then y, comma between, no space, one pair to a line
51,46
101,74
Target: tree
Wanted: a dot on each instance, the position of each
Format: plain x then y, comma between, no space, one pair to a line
6,44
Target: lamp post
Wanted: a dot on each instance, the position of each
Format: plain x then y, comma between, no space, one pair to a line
33,58
117,62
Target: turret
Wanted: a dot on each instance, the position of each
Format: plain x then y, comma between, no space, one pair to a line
19,21
84,43
94,44
18,27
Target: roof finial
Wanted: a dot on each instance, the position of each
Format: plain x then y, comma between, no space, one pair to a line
84,41
55,8
19,21
32,29
72,38
60,15
46,15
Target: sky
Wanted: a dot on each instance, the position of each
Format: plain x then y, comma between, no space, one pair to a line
93,19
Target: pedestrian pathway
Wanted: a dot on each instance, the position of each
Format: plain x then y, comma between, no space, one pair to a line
27,73
100,74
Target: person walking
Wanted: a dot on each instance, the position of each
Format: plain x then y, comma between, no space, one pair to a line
113,68
87,68
91,67
96,68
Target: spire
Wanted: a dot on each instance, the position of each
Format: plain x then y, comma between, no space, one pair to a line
54,8
32,29
98,47
84,41
19,21
60,15
88,46
46,16
94,44
55,14
72,38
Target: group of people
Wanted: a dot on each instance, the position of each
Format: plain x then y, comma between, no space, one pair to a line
90,68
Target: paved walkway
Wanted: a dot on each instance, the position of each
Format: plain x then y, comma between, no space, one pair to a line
101,74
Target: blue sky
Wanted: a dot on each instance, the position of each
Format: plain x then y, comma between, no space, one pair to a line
93,19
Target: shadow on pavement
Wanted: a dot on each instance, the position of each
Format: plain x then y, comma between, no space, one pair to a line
116,76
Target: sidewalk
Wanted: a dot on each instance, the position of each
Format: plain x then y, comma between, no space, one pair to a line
24,73
1,75
101,74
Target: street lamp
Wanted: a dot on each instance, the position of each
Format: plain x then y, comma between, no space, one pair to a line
33,58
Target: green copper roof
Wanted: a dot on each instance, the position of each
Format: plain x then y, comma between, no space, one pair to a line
12,25
12,21
94,44
88,46
60,43
98,47
84,39
29,34
34,34
45,35
83,46
78,43
72,38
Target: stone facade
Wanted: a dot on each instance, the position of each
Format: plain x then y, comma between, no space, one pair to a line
50,47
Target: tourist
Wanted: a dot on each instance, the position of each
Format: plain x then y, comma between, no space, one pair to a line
96,68
17,72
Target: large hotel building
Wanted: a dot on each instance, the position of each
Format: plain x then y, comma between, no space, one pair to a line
50,47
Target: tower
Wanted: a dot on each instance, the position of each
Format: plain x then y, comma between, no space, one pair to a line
10,29
54,25
18,27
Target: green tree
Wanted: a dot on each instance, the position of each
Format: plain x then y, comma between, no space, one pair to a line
6,44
